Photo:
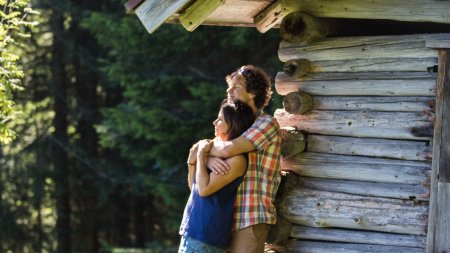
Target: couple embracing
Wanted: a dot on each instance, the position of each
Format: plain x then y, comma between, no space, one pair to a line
234,178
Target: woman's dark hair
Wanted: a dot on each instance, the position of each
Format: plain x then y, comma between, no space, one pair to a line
238,116
256,82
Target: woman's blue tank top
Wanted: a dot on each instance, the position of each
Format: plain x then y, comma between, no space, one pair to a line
209,219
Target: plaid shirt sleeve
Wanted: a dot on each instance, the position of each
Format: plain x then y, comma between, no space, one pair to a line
262,132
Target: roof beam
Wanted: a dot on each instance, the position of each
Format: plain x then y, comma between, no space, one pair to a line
197,12
153,13
401,10
269,17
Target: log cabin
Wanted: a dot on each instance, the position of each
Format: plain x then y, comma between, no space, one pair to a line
366,117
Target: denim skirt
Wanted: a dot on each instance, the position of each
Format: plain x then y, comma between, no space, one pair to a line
189,245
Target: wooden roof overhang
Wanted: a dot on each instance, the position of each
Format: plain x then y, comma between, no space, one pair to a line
266,14
262,14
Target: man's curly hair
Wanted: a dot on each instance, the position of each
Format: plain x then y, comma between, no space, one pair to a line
256,82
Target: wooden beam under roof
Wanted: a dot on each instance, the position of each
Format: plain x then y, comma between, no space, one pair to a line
402,10
269,17
197,12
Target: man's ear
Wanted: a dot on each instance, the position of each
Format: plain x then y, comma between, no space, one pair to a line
252,95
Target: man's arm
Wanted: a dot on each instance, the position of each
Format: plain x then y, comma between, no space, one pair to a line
226,149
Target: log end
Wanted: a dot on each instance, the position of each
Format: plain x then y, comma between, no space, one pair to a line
297,68
301,28
298,102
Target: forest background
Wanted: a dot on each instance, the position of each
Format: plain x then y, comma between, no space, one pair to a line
97,117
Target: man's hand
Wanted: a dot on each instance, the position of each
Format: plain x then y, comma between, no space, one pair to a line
204,146
217,165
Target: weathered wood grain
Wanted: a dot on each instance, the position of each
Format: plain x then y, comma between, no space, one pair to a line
397,149
381,170
402,10
316,208
363,47
357,236
362,188
360,84
381,104
323,247
386,125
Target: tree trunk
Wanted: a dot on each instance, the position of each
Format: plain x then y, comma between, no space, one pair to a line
84,60
60,156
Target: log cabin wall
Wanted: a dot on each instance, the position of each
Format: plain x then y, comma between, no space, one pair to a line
363,182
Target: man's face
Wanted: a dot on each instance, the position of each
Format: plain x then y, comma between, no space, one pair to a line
236,90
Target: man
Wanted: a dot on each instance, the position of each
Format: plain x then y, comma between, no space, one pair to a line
254,207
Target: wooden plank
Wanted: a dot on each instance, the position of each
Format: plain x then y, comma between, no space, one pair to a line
197,12
396,149
316,208
440,139
442,243
373,65
269,17
332,76
406,10
356,168
357,236
322,247
363,47
413,87
414,192
381,104
371,83
364,188
386,125
153,13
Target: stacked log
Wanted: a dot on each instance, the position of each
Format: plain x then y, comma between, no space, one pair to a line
362,183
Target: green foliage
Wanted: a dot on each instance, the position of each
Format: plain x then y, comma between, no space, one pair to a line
154,96
12,31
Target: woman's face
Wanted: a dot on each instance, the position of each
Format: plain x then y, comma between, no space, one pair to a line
220,127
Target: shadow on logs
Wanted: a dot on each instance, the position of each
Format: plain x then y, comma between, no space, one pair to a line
302,28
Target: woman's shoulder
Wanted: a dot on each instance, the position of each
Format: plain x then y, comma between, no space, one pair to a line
237,161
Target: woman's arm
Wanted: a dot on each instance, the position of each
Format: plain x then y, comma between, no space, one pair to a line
191,163
209,183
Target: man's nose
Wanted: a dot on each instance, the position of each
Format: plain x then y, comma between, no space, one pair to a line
230,89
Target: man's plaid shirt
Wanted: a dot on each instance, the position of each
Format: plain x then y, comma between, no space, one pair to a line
255,197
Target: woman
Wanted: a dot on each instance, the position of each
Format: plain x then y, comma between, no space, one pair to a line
207,219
